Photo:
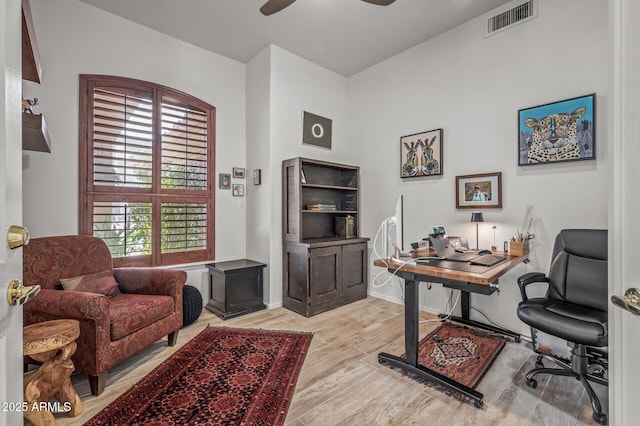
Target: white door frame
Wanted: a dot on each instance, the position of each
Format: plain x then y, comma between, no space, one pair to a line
624,230
10,207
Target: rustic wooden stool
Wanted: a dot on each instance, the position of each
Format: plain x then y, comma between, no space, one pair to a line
52,343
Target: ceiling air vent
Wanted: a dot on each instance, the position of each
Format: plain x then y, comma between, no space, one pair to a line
508,18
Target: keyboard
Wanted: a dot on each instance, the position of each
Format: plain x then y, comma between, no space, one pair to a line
488,260
461,257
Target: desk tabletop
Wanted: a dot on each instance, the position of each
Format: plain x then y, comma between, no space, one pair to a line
488,276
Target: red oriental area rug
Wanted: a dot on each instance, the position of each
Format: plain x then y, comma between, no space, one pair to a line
459,353
223,376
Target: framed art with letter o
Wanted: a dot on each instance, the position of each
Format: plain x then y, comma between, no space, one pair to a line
316,130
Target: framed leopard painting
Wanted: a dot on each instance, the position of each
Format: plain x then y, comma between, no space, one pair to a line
557,132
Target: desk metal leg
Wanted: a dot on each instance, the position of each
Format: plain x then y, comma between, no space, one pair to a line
466,319
410,364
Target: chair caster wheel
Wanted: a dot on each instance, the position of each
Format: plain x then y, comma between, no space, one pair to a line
381,361
601,418
532,383
539,364
478,404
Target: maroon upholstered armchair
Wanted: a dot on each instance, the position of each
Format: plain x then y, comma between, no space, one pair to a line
112,328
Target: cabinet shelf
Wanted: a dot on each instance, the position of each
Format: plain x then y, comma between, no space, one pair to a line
331,211
321,242
341,188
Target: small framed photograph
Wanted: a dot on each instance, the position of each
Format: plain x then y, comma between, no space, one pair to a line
238,190
482,191
557,132
224,181
421,154
438,229
238,172
257,177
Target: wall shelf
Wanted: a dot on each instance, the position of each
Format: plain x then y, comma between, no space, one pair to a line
35,136
31,67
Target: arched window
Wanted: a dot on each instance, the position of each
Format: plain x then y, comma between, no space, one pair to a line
146,171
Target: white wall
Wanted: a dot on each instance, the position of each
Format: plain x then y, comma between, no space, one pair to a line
260,197
293,85
75,38
472,87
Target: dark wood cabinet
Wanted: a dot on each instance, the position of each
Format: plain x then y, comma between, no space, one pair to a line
324,259
235,287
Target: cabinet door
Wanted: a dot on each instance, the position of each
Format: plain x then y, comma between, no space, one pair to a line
296,278
244,289
325,274
354,269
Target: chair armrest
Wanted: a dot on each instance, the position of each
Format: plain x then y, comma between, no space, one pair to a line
53,304
160,281
530,278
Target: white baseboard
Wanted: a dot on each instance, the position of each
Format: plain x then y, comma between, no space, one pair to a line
273,305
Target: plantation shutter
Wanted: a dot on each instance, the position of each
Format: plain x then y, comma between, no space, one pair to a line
122,138
147,171
125,227
184,146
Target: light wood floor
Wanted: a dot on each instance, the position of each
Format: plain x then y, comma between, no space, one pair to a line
342,383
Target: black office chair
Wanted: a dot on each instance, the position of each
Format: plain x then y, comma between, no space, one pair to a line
574,309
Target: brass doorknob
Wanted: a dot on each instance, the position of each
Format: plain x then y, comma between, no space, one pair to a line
18,236
629,302
17,294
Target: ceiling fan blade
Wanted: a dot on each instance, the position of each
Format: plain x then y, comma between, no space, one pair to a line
273,6
380,2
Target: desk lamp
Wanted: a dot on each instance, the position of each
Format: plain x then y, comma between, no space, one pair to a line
477,218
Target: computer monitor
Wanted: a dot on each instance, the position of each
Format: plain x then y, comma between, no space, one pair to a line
394,222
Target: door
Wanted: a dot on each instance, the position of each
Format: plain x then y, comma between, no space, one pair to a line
325,271
354,270
624,227
10,208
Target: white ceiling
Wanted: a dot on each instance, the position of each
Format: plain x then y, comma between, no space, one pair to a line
345,36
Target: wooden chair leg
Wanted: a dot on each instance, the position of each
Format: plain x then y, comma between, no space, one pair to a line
173,338
96,383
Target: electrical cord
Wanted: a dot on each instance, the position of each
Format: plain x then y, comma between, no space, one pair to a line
489,319
448,314
411,261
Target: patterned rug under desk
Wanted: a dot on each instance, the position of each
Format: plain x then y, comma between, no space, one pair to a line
460,353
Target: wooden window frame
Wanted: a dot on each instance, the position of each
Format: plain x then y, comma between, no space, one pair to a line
88,192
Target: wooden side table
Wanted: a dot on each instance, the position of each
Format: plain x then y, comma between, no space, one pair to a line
235,288
52,343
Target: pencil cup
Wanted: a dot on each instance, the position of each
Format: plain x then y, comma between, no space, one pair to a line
518,249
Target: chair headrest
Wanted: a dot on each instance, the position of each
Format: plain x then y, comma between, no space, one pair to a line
589,243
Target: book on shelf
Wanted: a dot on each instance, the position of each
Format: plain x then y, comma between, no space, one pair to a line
321,207
303,178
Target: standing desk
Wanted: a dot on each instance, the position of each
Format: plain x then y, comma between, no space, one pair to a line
474,279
